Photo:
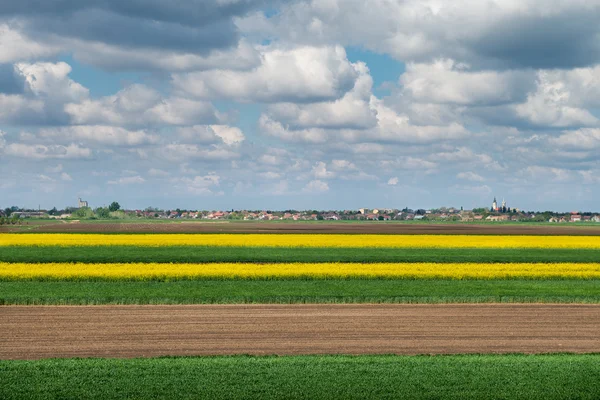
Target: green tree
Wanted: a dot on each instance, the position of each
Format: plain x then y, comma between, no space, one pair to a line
10,210
84,212
114,206
102,212
118,214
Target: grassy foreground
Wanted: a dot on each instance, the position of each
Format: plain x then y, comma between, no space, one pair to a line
307,377
206,254
299,291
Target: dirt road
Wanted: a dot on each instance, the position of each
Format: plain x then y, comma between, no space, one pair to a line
324,227
32,332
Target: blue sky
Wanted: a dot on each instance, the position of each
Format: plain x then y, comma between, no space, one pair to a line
101,82
335,104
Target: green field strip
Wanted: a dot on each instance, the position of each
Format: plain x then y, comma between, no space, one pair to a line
300,291
549,377
208,254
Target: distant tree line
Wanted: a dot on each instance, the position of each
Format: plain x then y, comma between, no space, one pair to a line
15,220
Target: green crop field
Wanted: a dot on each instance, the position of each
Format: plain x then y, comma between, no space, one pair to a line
300,291
464,377
207,254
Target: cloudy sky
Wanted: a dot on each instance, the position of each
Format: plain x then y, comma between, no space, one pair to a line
329,104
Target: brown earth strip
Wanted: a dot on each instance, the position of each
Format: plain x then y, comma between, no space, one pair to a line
32,332
325,227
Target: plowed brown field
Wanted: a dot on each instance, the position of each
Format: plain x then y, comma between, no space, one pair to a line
32,332
325,227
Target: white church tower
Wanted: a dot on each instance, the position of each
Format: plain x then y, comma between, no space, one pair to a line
495,205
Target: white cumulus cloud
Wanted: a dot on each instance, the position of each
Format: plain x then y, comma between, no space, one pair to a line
108,135
301,74
140,105
316,186
44,152
470,176
128,180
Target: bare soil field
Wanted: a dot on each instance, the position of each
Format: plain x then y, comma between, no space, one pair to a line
325,227
32,332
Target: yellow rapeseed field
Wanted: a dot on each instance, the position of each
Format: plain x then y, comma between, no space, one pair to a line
151,271
302,240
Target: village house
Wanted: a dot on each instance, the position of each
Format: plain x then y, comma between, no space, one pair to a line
216,215
250,216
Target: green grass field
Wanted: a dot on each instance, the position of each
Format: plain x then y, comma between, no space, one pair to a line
306,377
300,291
206,254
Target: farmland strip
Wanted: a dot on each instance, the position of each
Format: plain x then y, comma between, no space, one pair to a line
304,227
31,332
157,271
303,240
206,254
467,377
300,291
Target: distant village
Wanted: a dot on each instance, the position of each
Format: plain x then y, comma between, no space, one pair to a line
498,212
